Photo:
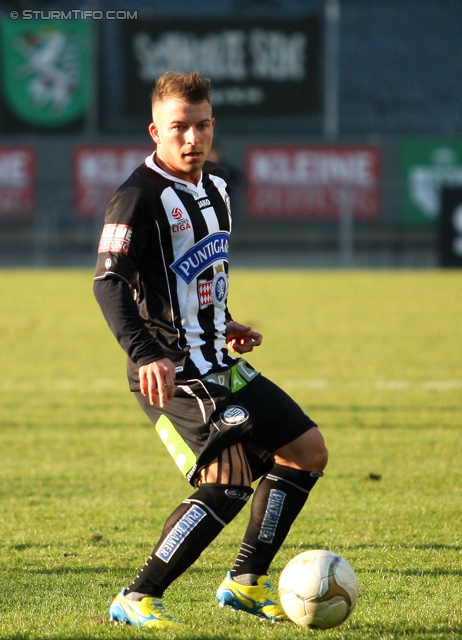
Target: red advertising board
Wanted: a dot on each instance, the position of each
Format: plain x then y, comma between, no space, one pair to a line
310,182
99,170
17,182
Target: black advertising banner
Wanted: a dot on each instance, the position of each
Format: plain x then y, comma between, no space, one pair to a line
257,67
451,227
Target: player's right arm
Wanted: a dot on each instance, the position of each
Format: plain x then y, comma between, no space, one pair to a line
120,310
128,227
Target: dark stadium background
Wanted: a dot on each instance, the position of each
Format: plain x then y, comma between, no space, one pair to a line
385,76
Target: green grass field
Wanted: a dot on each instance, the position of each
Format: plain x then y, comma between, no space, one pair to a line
374,357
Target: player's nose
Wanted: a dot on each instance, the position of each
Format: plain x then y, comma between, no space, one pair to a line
192,136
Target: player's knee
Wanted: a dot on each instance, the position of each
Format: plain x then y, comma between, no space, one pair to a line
321,457
316,454
308,452
317,447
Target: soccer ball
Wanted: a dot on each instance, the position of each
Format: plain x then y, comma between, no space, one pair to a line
318,589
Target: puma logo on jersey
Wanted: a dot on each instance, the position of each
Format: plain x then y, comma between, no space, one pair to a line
205,202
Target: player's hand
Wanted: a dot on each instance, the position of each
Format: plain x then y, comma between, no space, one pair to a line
241,338
156,381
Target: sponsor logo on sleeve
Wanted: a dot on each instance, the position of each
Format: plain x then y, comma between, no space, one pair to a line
115,238
203,254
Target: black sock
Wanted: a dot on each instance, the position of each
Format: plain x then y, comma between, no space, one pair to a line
188,531
278,500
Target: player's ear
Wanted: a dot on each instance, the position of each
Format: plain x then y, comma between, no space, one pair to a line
153,132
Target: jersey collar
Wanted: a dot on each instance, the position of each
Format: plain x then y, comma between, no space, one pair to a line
150,163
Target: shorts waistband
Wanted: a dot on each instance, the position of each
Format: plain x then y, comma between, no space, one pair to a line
235,378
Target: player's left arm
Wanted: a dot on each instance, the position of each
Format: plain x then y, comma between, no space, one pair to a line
242,338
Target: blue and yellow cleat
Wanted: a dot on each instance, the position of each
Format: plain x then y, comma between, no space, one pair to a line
147,612
261,599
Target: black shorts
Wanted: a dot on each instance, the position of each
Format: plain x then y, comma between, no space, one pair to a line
204,418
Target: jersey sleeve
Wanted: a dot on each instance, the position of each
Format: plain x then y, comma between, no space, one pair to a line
121,313
126,230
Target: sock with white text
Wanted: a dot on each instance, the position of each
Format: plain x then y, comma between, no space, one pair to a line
278,500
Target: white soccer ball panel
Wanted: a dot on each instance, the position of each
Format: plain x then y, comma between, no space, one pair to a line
318,589
290,601
293,577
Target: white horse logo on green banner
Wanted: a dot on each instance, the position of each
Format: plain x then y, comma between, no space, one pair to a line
47,70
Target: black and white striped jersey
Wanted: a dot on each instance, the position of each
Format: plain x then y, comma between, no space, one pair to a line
168,239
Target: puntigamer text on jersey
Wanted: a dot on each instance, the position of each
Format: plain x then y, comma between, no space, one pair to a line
202,255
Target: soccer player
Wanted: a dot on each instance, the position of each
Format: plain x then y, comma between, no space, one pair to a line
162,284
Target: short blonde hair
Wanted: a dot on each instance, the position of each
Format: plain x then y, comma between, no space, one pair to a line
191,88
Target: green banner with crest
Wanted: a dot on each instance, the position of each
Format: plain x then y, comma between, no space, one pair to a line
428,165
47,70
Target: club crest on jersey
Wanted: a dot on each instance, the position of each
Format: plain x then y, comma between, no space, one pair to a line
115,238
220,289
203,254
213,291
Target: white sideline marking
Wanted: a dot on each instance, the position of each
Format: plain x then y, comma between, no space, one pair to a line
379,385
65,384
319,384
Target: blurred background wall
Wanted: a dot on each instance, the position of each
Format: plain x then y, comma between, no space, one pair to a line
339,121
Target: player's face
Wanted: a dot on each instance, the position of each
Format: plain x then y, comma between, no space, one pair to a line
183,134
